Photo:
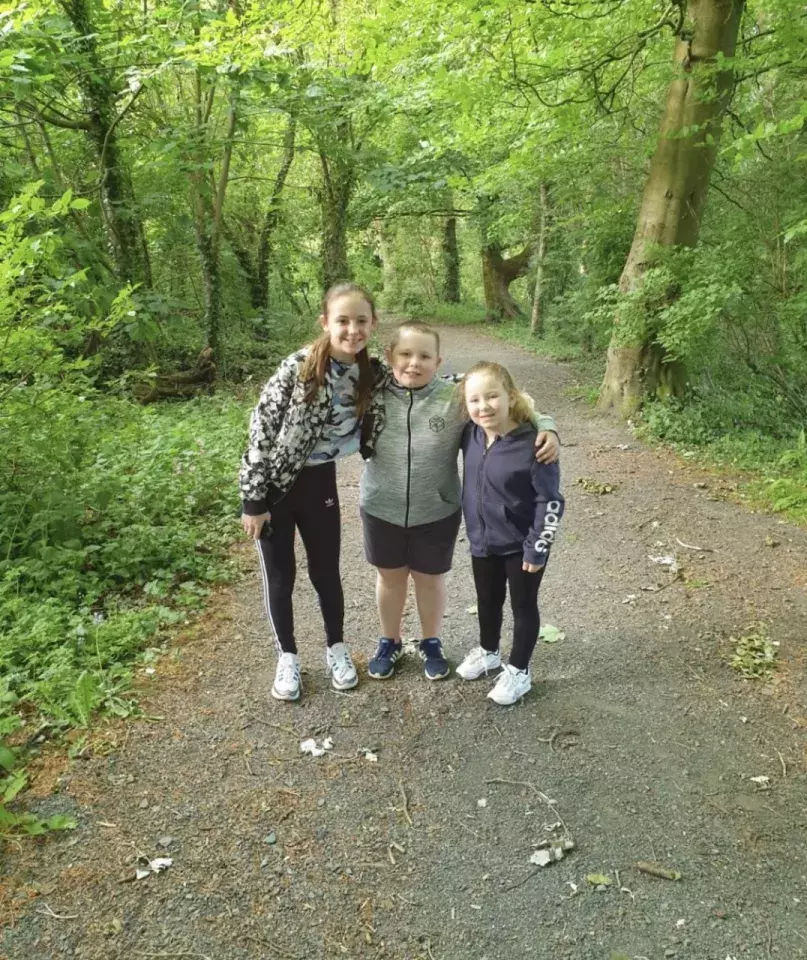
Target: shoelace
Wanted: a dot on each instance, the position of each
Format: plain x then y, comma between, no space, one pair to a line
510,680
433,650
341,662
288,672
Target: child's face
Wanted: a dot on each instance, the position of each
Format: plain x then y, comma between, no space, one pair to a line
414,359
350,324
488,402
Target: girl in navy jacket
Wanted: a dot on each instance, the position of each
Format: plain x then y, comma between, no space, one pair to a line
512,506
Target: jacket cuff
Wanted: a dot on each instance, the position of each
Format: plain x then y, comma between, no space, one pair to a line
536,559
254,508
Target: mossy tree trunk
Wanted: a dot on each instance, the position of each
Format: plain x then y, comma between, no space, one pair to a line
675,193
497,275
451,261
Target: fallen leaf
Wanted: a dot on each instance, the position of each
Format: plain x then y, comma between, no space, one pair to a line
594,486
550,634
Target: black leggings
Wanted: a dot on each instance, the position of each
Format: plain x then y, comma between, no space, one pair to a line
491,577
312,507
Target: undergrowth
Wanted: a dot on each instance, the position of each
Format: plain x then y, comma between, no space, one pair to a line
114,521
774,467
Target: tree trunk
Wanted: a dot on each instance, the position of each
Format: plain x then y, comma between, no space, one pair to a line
256,264
211,280
335,201
386,247
451,261
208,206
537,313
338,182
257,296
675,193
270,220
124,228
497,275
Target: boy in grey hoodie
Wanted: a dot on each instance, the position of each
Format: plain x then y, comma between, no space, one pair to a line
410,494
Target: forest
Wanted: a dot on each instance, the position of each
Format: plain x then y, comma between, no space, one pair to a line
620,186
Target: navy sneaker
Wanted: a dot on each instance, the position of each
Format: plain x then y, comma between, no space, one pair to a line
382,666
431,652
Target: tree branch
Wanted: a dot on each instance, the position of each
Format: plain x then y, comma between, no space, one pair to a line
56,120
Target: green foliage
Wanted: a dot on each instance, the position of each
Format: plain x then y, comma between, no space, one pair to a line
12,781
113,518
754,654
48,310
710,428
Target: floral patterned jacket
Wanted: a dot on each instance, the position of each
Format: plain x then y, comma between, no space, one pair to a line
284,429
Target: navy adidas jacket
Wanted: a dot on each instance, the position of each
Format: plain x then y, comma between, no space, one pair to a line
511,503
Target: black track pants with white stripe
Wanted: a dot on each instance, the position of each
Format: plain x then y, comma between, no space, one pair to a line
312,507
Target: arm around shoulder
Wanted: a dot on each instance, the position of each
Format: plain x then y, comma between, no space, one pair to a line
543,423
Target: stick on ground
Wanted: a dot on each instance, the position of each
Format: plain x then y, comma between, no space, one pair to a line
405,804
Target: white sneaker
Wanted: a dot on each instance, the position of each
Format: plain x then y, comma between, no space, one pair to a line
511,686
287,678
478,662
340,667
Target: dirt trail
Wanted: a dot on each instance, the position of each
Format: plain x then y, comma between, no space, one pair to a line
279,855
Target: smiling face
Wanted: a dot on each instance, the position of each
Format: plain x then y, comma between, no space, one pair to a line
488,403
414,358
349,322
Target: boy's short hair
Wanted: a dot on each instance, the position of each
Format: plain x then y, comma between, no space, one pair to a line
419,327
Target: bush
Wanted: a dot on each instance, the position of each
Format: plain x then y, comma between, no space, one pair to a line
113,517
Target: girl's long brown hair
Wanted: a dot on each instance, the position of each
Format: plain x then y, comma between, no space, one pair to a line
520,407
315,366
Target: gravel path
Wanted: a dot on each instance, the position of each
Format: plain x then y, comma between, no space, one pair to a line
280,855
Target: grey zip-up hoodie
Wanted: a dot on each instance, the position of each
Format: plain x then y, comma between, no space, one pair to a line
413,476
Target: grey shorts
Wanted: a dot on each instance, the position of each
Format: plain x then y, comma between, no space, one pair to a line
427,548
